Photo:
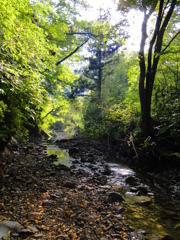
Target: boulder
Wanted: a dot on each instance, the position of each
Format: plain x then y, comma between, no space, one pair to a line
9,226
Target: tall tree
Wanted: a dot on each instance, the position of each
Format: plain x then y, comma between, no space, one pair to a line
148,68
148,73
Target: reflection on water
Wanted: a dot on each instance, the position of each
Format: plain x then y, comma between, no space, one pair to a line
62,155
158,219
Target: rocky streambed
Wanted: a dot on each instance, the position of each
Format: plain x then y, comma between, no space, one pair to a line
82,198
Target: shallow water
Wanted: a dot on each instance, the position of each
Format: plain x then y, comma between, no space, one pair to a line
160,218
62,155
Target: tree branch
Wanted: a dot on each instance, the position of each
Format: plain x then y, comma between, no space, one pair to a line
170,42
82,33
86,75
62,60
52,110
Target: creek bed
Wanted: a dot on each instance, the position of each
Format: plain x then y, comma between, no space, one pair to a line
159,218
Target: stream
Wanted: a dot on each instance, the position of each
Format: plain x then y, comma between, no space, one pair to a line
158,216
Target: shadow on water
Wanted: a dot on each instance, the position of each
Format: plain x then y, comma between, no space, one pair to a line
159,218
62,155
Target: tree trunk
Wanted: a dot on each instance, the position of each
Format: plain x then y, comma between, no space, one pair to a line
147,75
99,74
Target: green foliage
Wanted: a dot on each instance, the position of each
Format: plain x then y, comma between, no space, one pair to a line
118,112
32,38
165,102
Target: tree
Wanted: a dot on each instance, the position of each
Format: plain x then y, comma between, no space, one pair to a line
33,37
148,73
148,69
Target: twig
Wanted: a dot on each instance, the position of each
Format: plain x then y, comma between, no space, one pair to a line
131,139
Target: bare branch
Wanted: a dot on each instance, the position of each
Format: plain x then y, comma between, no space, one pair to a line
62,60
82,33
170,42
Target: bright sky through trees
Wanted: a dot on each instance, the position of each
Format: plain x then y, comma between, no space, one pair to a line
134,17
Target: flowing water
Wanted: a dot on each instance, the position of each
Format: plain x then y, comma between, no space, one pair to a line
155,220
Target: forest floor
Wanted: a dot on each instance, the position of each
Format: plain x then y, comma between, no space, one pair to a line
41,200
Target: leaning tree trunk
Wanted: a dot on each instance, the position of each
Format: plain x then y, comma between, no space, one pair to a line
99,74
147,74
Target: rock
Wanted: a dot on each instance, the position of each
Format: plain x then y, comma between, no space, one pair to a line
2,206
70,184
37,235
145,200
80,187
52,157
120,210
131,180
142,190
32,215
133,189
107,170
26,231
32,228
63,167
99,231
73,150
167,237
102,179
83,159
118,216
47,203
106,187
9,226
114,196
73,166
1,179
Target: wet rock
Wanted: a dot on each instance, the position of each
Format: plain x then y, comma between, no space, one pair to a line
142,190
9,226
52,157
133,189
114,196
73,150
63,167
144,200
76,161
131,180
83,159
107,170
